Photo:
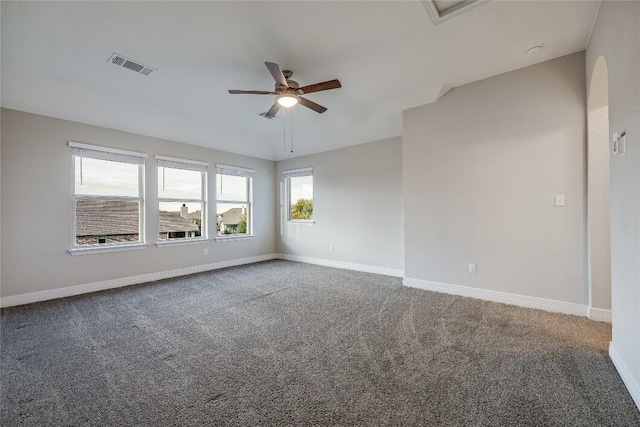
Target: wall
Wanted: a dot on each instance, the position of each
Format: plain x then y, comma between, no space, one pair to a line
357,207
616,38
37,182
482,167
598,198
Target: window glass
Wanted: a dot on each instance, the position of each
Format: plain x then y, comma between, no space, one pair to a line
232,188
180,220
98,177
108,196
232,218
107,221
233,209
181,199
300,197
179,183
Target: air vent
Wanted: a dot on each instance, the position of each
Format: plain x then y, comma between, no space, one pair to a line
124,62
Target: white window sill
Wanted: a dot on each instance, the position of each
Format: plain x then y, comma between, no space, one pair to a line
301,222
107,248
234,238
181,242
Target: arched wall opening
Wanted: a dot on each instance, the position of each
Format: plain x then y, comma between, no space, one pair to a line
598,193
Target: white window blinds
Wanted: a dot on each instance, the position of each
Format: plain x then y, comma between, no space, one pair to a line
298,172
172,162
234,170
105,153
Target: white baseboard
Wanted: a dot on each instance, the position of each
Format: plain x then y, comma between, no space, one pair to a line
32,297
600,314
625,374
385,271
125,281
503,297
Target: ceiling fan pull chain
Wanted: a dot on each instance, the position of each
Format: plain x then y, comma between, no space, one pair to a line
291,130
284,130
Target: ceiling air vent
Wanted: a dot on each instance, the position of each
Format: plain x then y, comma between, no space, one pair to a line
129,64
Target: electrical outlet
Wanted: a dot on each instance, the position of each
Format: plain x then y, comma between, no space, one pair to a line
206,251
331,249
472,269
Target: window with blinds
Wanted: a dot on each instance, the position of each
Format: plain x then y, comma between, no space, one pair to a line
298,184
233,201
108,196
182,199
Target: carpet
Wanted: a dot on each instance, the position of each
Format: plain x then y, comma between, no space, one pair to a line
282,343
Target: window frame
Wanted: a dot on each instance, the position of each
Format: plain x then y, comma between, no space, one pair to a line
287,175
236,171
185,164
111,154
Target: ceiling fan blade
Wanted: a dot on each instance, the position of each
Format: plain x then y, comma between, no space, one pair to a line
275,71
251,92
310,104
273,110
331,84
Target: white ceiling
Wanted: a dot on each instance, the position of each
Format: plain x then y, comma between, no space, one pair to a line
389,56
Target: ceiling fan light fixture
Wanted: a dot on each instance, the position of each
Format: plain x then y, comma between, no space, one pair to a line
287,100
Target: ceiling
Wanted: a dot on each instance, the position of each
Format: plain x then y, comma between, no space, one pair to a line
389,56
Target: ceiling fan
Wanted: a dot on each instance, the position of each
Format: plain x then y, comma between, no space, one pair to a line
289,91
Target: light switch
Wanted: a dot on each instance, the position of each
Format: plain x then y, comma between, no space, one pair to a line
619,143
559,199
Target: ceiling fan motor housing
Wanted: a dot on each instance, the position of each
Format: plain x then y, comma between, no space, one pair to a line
292,84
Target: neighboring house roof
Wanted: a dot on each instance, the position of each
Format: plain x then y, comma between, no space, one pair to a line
232,216
108,217
172,221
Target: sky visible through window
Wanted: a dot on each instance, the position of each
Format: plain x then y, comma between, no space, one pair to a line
105,178
232,188
301,188
179,183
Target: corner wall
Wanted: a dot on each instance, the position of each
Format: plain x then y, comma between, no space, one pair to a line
37,207
482,167
357,193
616,38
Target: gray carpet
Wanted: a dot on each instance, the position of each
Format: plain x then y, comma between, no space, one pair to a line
282,343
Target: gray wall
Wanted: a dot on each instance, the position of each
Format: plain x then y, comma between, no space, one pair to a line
37,179
357,206
481,169
599,205
616,37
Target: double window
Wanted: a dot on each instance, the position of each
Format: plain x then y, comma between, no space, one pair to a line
233,201
298,201
108,197
182,199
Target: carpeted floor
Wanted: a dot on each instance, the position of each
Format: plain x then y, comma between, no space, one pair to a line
282,343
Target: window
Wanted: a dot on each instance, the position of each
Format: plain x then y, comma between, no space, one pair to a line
182,204
233,196
299,194
108,197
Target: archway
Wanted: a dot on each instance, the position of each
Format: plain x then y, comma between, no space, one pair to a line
598,194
